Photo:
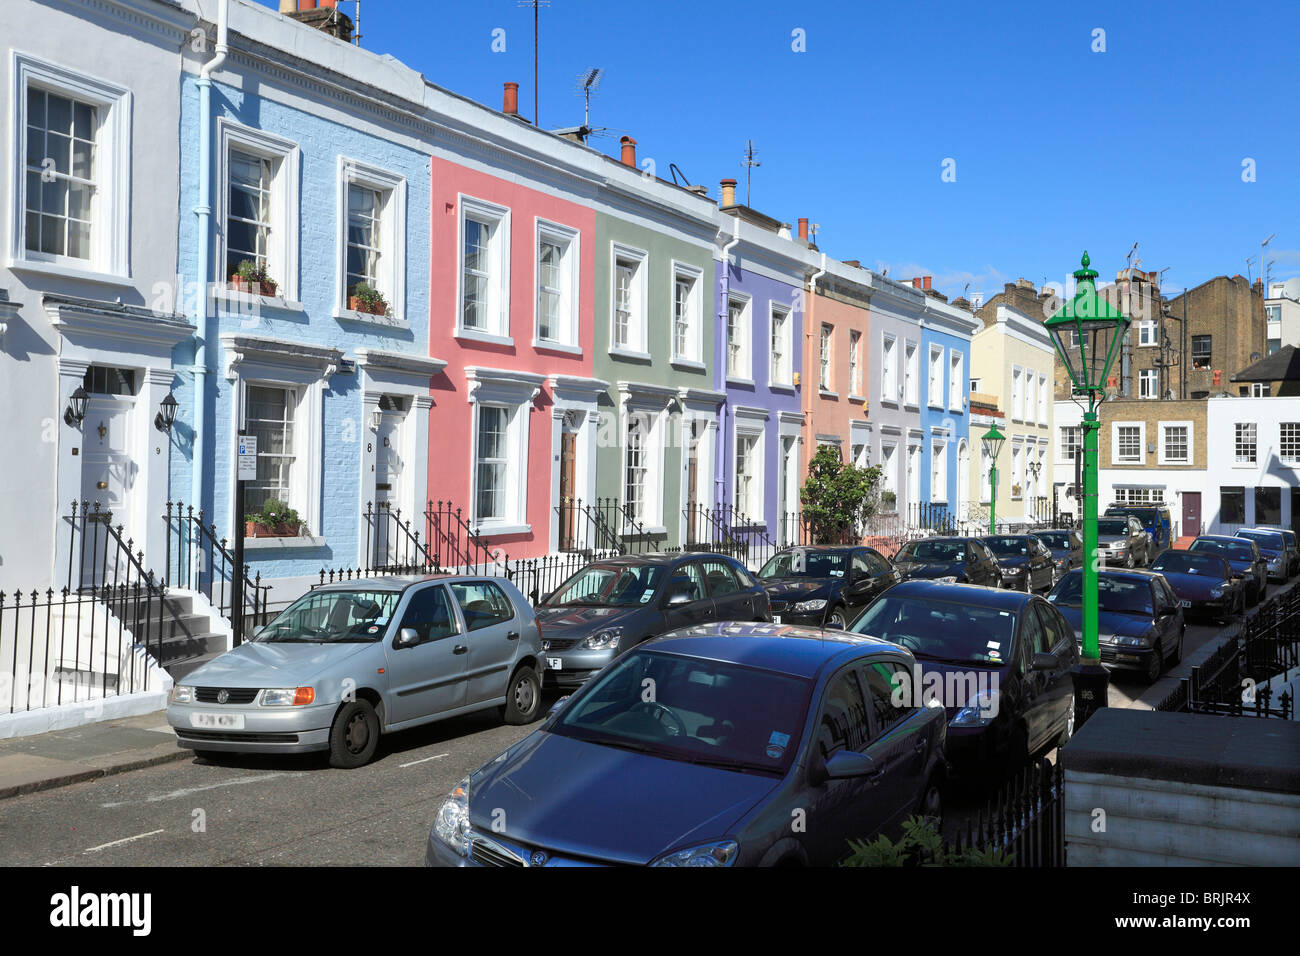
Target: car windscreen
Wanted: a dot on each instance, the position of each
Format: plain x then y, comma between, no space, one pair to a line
1188,562
1055,539
1119,527
332,617
609,585
942,552
1009,546
692,709
941,630
806,564
1232,550
1116,595
1267,539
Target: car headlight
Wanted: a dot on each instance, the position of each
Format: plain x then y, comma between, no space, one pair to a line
1274,562
1216,592
1144,641
288,696
947,579
720,853
182,694
979,710
605,640
451,824
816,604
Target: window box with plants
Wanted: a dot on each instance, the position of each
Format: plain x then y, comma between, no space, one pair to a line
252,279
275,520
888,501
364,298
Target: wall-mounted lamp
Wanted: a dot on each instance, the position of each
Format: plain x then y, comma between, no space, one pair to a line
376,419
75,413
166,417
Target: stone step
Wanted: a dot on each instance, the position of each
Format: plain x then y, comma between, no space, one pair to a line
174,649
181,625
181,669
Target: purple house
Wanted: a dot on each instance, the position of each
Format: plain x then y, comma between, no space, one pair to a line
759,342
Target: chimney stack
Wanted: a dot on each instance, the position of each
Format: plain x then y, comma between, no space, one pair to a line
511,104
925,283
728,192
803,229
916,282
323,16
629,151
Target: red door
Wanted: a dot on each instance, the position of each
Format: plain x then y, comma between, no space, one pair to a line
1191,525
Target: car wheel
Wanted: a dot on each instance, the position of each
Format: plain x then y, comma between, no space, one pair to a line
1128,559
837,619
1068,730
930,806
1155,665
354,735
1177,655
523,697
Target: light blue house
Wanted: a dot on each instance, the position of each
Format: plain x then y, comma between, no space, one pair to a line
310,166
945,410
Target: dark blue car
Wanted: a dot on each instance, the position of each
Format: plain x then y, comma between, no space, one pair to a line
1139,619
1245,558
1205,583
718,745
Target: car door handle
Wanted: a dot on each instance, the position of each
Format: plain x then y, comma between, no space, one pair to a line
919,746
512,636
459,649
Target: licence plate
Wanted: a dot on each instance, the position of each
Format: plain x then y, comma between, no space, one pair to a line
1185,603
218,721
776,618
555,663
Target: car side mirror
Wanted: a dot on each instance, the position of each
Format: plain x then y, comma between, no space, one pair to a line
681,596
555,707
408,637
1044,661
847,765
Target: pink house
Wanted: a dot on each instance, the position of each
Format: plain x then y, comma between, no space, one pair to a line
512,431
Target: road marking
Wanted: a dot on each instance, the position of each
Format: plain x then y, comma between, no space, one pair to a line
105,846
421,760
175,794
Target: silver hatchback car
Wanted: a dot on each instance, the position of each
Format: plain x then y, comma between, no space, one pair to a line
349,661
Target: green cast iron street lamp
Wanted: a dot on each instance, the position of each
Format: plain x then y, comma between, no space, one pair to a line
992,441
1087,333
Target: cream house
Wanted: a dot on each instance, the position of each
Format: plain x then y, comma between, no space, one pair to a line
1012,360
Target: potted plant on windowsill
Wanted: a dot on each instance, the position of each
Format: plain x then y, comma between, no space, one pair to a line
275,520
251,278
888,500
365,298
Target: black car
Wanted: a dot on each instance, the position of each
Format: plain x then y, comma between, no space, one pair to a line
1139,619
1273,546
950,560
999,660
1205,583
1024,562
617,603
824,586
1244,556
1066,545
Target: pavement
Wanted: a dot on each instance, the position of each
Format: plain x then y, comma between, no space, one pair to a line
63,757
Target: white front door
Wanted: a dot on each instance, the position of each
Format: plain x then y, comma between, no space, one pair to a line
963,481
108,474
389,499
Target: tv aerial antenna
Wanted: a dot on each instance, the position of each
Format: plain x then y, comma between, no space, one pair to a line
749,162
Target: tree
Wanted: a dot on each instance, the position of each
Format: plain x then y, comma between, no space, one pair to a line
838,498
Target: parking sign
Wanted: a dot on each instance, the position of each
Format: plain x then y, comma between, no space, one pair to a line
247,458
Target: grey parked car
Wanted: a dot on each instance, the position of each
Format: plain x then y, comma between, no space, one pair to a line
1123,540
617,603
349,661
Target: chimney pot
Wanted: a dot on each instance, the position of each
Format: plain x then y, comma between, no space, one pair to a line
306,5
728,192
916,282
288,6
803,229
629,151
925,282
511,104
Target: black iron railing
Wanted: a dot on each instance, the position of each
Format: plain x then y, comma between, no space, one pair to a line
1234,680
392,542
604,524
197,559
1025,820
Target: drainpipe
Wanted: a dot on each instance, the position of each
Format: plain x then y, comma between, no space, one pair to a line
725,449
204,213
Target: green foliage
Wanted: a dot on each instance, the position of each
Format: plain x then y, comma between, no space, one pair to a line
921,845
276,516
369,297
837,498
250,271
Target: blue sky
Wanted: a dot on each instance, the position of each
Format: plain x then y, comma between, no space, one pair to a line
1057,148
